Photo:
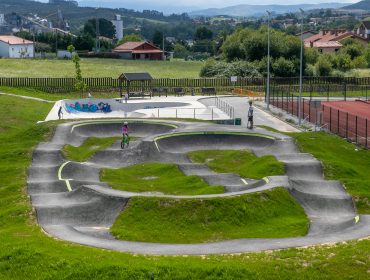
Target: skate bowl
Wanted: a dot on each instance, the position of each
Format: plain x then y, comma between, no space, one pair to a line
72,204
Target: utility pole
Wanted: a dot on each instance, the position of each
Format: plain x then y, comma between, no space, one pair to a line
300,74
268,62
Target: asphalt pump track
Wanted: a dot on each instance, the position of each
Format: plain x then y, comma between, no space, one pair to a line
72,203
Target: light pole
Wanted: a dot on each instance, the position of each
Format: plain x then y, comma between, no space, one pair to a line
300,74
268,62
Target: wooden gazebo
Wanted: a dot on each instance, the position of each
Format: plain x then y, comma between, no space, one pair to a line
134,77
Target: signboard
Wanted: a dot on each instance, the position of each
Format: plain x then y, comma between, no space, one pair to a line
234,78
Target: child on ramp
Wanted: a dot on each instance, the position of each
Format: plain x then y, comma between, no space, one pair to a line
125,137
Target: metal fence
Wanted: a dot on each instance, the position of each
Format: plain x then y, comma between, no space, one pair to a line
350,126
313,84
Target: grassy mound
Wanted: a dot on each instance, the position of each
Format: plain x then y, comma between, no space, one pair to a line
89,147
244,163
157,177
342,161
267,214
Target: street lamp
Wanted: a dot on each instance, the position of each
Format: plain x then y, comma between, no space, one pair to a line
300,74
268,62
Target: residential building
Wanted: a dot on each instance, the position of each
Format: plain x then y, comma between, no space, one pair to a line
139,50
15,47
306,34
330,40
364,30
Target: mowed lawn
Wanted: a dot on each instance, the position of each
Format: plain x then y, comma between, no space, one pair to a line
97,67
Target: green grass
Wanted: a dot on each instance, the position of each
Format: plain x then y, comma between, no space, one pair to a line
88,148
95,67
342,161
28,253
157,177
267,214
244,163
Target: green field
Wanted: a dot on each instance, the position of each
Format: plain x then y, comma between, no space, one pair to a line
244,163
157,177
26,252
97,67
267,214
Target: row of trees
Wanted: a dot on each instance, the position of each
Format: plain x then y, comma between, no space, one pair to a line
251,45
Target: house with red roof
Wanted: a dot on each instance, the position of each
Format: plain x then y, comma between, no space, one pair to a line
15,47
330,40
140,51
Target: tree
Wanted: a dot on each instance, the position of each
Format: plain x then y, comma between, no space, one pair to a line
203,33
106,28
84,42
157,39
353,50
283,67
344,62
79,83
180,51
311,55
240,68
130,38
323,66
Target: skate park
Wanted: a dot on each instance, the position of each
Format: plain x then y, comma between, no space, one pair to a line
73,204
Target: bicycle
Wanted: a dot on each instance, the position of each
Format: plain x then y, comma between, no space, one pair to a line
125,140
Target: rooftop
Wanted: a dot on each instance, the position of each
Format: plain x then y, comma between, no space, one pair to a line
14,40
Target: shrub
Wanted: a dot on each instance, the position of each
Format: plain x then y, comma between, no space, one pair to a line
323,66
239,68
283,67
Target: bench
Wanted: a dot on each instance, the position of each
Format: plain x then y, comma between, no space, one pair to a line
208,91
179,91
141,94
159,91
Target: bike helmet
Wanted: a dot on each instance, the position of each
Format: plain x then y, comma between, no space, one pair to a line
125,123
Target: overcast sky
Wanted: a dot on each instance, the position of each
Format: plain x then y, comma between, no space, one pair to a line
189,5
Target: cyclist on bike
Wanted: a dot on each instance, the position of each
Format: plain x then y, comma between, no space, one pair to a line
125,136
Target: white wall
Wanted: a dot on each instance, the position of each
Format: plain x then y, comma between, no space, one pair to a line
4,49
118,24
15,51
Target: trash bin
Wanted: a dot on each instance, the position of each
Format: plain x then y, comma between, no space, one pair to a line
238,121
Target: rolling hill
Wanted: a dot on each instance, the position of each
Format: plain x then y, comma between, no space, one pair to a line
246,10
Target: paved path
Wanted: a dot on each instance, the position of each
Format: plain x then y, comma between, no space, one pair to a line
72,204
26,97
260,117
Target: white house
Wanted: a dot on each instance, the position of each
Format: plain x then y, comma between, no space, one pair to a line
15,47
364,30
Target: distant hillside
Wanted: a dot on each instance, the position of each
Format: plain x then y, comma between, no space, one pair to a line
77,16
362,5
258,10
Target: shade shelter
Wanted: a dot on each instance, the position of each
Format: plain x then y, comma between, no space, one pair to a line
143,78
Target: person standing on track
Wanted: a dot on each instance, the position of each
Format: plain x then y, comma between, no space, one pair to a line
250,116
60,112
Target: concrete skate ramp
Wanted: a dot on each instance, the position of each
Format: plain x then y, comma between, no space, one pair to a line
182,143
114,128
128,107
72,203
